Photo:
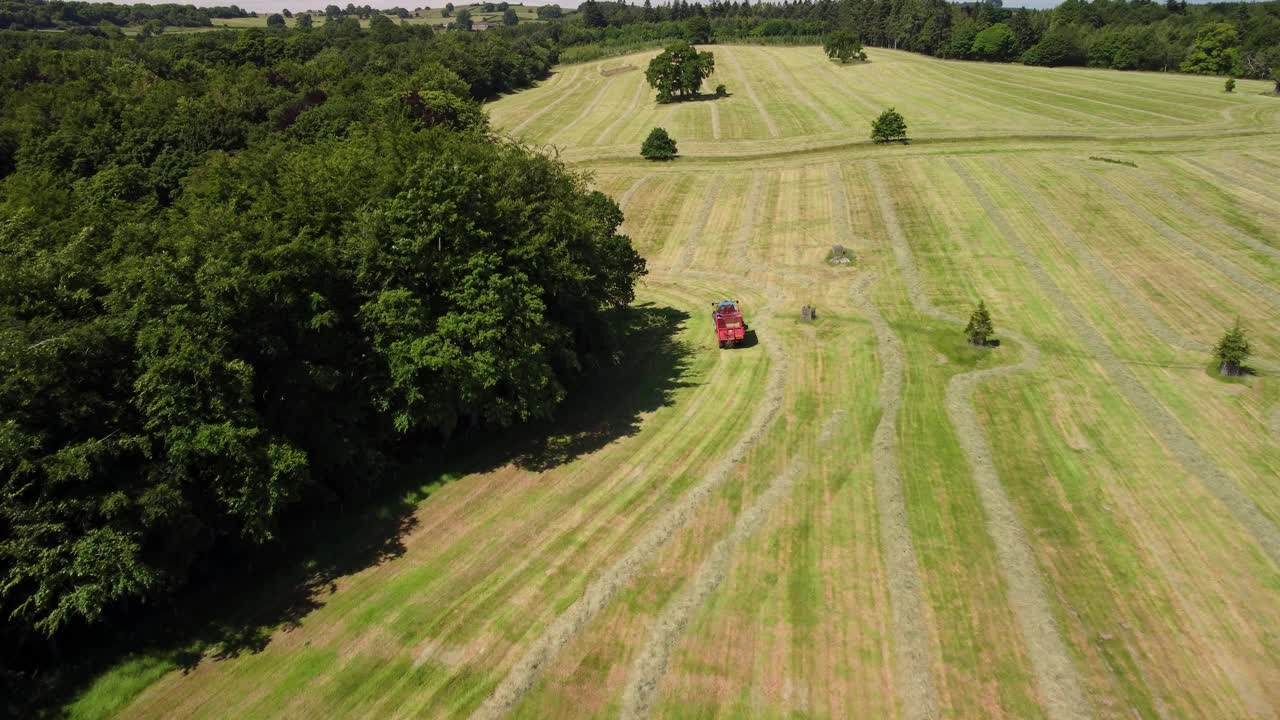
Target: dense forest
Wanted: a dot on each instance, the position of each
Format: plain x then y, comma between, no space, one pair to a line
1240,39
241,272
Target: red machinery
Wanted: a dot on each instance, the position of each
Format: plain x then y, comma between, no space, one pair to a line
728,322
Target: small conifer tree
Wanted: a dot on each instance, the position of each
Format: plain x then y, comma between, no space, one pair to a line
1230,85
1232,350
979,328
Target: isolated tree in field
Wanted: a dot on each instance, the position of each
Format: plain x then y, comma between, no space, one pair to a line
1231,351
447,11
679,71
721,90
332,11
462,21
844,46
658,146
889,127
1229,85
304,21
509,17
979,328
286,13
275,20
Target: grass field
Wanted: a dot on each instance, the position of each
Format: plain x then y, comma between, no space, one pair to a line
860,516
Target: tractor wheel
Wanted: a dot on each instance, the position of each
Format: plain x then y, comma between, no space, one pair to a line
721,344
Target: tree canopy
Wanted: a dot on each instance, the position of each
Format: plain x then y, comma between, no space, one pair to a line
890,126
844,46
658,145
241,271
996,42
1215,51
678,72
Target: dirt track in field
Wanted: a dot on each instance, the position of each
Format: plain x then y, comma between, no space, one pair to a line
741,79
601,591
1182,446
1059,687
612,128
915,655
805,98
1123,295
1228,268
694,240
651,664
569,78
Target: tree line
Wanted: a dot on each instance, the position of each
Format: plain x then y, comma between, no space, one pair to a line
240,273
33,14
1232,38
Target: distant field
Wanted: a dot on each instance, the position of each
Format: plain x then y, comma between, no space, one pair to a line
862,516
430,16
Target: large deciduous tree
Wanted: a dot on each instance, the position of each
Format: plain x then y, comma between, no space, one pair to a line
658,145
1215,50
889,127
996,42
844,46
678,72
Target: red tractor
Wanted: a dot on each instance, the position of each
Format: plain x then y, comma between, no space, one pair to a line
727,319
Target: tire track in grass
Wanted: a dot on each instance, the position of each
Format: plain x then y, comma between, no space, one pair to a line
715,122
586,111
1051,662
623,116
804,96
751,95
1225,179
996,76
651,664
1121,292
1165,426
601,591
699,225
1275,422
1118,290
630,192
840,209
1213,221
742,241
568,92
1228,268
979,85
914,654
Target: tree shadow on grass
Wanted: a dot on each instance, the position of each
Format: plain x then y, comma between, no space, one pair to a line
249,595
609,404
